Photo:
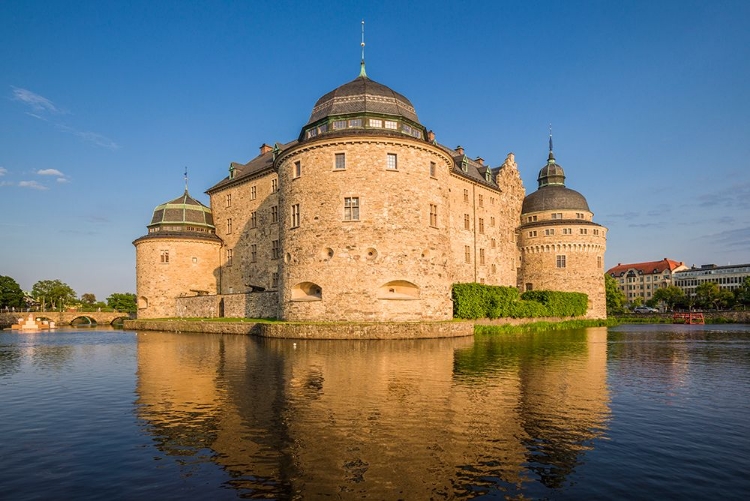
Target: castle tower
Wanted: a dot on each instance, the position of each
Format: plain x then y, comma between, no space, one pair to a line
364,212
561,247
178,257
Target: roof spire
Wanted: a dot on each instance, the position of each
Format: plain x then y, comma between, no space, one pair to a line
186,180
551,155
362,72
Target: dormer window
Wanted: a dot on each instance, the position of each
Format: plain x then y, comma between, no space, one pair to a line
465,164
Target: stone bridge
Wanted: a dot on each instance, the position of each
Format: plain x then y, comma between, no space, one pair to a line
67,317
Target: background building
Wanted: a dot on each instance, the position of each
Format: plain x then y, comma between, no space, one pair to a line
726,277
640,280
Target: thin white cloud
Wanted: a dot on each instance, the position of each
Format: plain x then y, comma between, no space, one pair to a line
62,180
38,103
3,171
42,108
50,172
32,184
6,183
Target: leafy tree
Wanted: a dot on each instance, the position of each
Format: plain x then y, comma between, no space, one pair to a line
11,295
53,292
707,294
742,293
670,296
88,298
615,297
122,301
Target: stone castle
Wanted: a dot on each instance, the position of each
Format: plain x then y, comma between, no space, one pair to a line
365,217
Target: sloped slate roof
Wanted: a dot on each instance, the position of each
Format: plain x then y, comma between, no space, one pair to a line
255,166
554,197
183,210
363,95
647,268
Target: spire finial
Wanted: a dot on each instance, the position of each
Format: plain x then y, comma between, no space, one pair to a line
362,72
551,155
186,180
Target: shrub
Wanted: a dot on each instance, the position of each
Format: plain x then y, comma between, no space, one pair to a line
472,301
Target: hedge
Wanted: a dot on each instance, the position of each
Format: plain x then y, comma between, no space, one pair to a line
473,300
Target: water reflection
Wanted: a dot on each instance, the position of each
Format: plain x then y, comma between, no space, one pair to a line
404,419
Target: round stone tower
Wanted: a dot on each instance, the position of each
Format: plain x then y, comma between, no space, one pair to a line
561,247
178,257
363,206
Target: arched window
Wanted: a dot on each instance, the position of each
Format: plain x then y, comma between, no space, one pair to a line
398,289
142,302
307,291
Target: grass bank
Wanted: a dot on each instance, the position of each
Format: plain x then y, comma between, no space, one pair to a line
543,326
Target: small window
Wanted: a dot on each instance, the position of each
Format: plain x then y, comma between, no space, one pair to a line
584,231
275,214
275,280
481,225
481,256
275,249
274,185
253,192
492,221
297,169
392,162
532,233
253,253
529,286
229,257
466,196
253,219
561,261
351,209
229,199
433,215
295,216
598,261
467,254
481,200
355,122
340,161
390,124
339,124
467,222
567,231
596,232
493,244
549,231
229,225
433,169
557,215
374,122
165,257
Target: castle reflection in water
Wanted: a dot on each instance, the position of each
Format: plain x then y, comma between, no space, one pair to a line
410,419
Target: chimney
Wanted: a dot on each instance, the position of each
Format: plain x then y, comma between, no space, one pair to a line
264,148
460,150
431,136
479,160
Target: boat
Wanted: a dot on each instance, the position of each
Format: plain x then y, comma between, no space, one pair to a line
32,324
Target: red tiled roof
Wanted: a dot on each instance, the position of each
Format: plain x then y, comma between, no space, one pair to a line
647,268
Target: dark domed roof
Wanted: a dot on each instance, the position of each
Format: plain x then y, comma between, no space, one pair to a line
553,197
360,96
183,213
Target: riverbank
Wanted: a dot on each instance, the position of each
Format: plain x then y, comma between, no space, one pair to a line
710,317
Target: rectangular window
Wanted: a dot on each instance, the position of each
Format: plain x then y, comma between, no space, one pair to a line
466,196
561,261
374,122
467,222
253,253
297,169
596,232
253,192
295,215
253,219
481,256
275,249
390,124
492,221
433,169
492,200
274,185
339,124
351,209
481,200
165,256
355,122
494,268
340,163
567,231
229,257
481,224
467,254
584,231
532,233
275,280
493,243
229,225
549,231
229,199
579,215
433,215
275,214
392,162
557,215
599,261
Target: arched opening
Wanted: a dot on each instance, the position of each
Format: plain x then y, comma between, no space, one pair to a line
307,291
83,321
142,302
398,289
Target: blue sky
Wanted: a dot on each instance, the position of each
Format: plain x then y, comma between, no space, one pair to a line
104,104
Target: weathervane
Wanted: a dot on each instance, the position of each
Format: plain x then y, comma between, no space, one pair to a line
186,179
550,138
362,72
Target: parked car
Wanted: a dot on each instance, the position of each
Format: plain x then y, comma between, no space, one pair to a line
645,309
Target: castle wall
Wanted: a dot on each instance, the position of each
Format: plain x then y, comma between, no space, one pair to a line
249,266
191,266
253,305
390,261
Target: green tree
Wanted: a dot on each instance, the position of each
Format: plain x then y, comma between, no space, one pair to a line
742,293
88,298
706,294
11,295
670,296
122,301
53,292
615,297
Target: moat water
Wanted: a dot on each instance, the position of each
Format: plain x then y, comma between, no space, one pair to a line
632,412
